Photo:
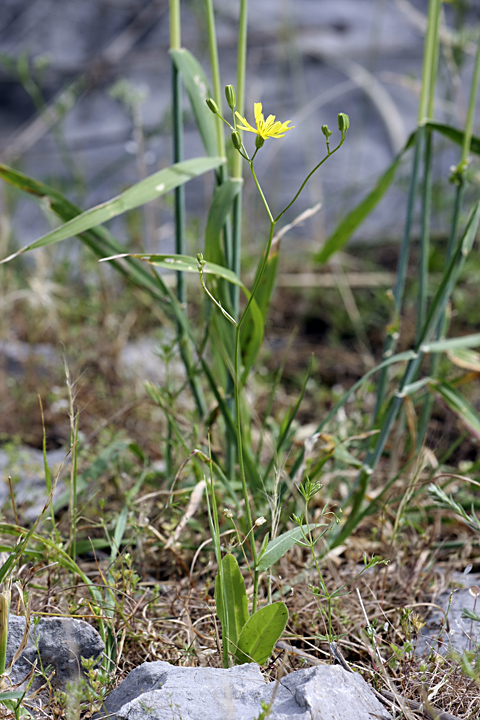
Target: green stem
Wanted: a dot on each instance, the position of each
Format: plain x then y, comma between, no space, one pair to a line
175,26
238,414
329,154
178,144
216,81
179,202
467,137
234,257
444,291
401,275
425,233
429,63
241,71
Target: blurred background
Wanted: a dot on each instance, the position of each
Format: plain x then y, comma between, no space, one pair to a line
85,92
85,97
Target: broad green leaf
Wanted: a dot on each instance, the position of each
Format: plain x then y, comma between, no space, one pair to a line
280,545
12,695
459,405
464,341
220,208
454,134
146,190
354,219
260,634
231,600
196,85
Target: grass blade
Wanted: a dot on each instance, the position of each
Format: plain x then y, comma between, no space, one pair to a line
220,208
454,135
198,90
354,219
149,189
459,405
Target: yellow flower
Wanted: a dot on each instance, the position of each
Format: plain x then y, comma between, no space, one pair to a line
265,128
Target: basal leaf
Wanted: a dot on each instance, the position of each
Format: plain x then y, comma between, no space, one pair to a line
260,634
231,600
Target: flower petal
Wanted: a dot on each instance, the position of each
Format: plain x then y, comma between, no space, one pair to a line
246,125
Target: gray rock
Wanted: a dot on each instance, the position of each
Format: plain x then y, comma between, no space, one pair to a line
56,644
459,633
160,691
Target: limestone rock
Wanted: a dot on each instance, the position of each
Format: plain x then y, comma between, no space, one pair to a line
160,691
459,634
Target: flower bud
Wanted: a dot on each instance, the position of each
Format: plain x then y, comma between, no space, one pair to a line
259,141
326,131
212,105
236,140
231,97
343,122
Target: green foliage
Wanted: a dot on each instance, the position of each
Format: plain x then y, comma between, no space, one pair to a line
219,345
260,633
231,601
247,638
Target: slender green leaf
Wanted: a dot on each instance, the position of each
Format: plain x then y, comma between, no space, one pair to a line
220,208
149,189
465,341
120,527
185,263
196,85
251,345
411,388
459,405
260,634
253,326
353,219
454,134
280,545
231,600
99,240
